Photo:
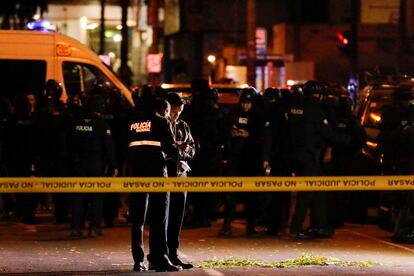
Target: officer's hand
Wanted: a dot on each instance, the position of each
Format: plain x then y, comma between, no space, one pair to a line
244,133
327,155
234,132
115,173
265,164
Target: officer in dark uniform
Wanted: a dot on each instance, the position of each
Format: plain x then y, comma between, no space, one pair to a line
308,131
393,117
92,151
51,127
178,168
151,143
20,155
245,129
395,148
8,201
404,226
344,156
117,116
274,157
204,118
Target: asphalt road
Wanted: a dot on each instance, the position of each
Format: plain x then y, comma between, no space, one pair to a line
47,249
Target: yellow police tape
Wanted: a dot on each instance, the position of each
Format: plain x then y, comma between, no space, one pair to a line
204,184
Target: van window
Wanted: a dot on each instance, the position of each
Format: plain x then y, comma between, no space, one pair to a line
21,76
80,77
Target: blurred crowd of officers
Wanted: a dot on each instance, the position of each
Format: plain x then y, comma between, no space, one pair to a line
309,130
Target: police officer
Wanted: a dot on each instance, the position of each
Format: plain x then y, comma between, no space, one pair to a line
344,156
151,143
274,155
204,118
92,151
178,168
395,148
393,117
7,199
20,155
245,129
404,227
308,132
116,115
51,127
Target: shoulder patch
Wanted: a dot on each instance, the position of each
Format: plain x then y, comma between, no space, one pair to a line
141,126
296,111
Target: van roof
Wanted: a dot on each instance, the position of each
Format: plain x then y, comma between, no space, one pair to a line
40,38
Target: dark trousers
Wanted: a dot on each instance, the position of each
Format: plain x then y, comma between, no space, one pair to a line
78,210
403,201
279,211
250,203
304,200
158,210
175,221
305,163
26,204
62,205
111,206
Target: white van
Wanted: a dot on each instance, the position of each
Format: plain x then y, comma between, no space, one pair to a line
29,58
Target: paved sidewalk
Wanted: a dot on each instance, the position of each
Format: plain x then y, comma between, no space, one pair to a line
47,249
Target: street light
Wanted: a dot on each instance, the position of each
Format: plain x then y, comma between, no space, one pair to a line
212,60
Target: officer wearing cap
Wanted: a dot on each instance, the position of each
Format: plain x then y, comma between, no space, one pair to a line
150,144
178,168
92,151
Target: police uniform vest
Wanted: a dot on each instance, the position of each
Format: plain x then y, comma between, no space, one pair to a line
88,133
300,126
150,143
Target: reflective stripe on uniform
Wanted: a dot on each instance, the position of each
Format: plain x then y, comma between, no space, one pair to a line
145,143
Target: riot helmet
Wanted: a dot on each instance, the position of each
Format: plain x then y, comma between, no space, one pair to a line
272,94
314,88
248,94
200,89
100,87
53,89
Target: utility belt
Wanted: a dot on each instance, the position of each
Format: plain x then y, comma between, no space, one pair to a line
145,143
